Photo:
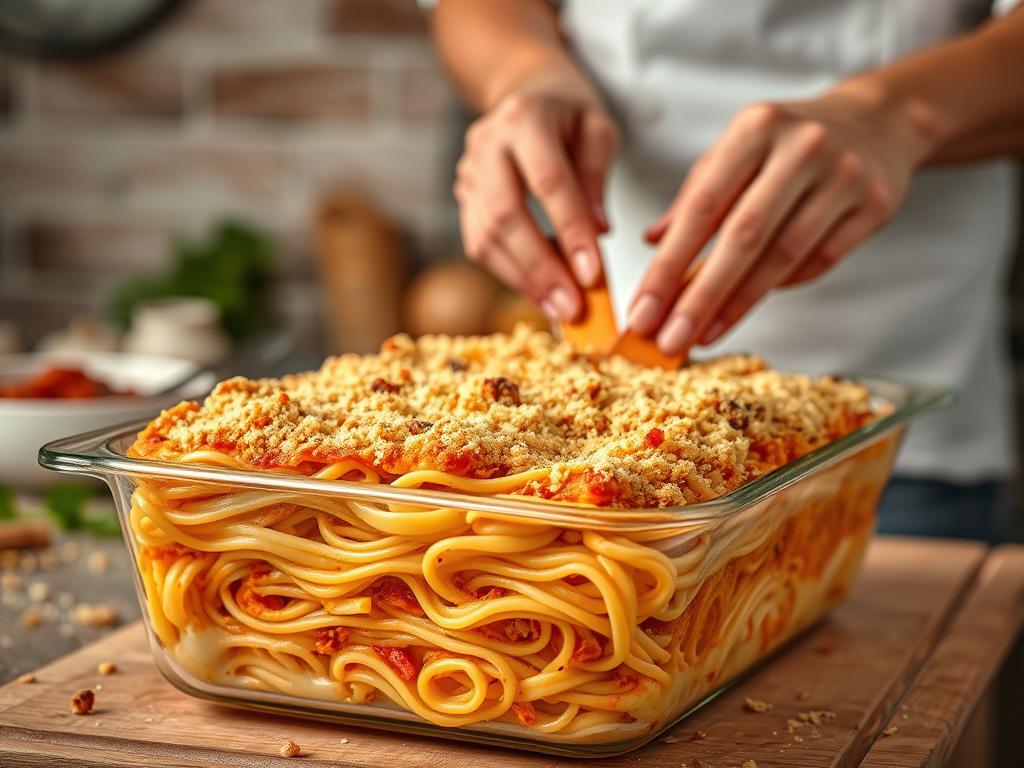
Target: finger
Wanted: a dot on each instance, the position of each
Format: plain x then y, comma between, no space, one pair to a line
656,230
797,239
592,154
542,161
509,228
850,233
785,178
709,192
469,226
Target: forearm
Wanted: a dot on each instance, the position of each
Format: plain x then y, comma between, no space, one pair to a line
494,47
964,99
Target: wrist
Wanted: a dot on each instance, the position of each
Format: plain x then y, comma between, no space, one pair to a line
917,126
542,72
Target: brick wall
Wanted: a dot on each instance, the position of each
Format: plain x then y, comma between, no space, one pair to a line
249,108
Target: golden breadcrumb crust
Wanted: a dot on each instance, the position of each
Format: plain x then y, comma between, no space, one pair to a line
611,432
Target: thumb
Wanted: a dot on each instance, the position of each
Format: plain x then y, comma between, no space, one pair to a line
597,141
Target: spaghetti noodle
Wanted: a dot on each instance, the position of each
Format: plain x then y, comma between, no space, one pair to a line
468,619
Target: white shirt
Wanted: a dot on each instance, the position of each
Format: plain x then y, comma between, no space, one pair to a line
921,301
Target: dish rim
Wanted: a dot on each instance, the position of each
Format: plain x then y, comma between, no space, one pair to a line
94,453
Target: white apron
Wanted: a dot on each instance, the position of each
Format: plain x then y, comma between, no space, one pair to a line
921,301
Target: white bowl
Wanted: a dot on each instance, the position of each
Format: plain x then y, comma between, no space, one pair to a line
25,425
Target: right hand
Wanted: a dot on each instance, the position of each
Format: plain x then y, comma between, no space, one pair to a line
558,147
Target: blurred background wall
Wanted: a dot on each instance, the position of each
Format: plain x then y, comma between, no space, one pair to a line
249,109
254,110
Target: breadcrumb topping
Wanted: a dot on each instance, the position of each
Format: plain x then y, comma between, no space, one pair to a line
610,432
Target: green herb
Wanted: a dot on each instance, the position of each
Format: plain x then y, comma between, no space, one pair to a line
105,525
232,267
7,509
66,504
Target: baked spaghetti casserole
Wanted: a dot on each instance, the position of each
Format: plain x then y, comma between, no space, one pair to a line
559,627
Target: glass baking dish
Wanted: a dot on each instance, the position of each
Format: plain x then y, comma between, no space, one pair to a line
586,632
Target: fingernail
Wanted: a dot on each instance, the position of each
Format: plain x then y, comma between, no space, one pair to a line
549,309
643,314
562,303
585,268
711,334
675,334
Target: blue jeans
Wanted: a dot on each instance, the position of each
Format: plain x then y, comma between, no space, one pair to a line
946,510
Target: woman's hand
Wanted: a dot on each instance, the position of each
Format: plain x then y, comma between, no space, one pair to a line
789,189
556,144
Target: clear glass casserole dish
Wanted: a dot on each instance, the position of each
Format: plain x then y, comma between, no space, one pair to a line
593,629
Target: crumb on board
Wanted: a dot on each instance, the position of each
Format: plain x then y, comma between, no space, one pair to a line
94,615
289,749
891,730
698,736
756,705
106,668
28,677
38,592
671,740
83,701
31,618
749,764
344,741
816,716
10,582
98,561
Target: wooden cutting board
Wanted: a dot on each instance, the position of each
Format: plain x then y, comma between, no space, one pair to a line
914,647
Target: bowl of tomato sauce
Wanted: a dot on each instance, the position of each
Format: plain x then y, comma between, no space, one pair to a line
49,395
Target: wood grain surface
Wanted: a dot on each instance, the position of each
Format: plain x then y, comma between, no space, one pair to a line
925,727
919,606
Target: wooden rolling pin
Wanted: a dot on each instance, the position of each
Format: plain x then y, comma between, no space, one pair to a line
22,534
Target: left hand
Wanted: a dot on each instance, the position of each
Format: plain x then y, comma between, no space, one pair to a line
790,189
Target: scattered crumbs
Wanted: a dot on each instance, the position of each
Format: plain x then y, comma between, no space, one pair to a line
32,618
792,725
798,738
816,716
803,696
756,705
94,615
69,551
10,582
890,731
147,719
83,701
344,741
825,649
697,763
289,749
98,561
670,740
749,764
775,733
28,677
698,736
106,668
905,716
48,560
